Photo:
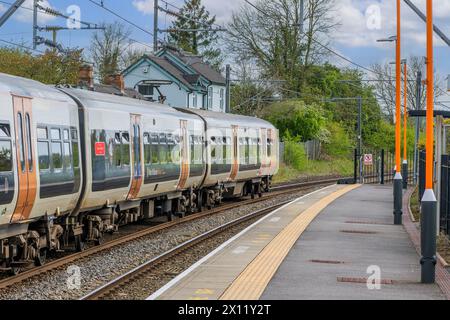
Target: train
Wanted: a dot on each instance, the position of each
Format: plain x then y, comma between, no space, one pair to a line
76,164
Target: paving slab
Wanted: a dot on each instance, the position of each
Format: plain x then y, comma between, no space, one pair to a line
350,240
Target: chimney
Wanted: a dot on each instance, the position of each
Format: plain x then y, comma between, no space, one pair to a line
86,76
117,81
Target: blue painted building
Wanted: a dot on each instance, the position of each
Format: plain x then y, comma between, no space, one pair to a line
177,79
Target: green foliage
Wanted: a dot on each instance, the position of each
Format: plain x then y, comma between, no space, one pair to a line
193,15
294,154
338,143
50,67
296,119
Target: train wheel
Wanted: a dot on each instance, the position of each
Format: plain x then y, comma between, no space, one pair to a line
79,244
16,270
253,191
39,261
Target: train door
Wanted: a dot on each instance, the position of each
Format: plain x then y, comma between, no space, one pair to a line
184,155
235,166
136,157
263,151
25,154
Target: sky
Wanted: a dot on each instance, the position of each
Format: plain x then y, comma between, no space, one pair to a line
361,23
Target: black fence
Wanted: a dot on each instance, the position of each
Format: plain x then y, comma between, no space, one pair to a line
445,195
381,170
444,201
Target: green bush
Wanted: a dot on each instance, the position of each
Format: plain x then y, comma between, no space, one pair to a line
296,119
295,155
338,144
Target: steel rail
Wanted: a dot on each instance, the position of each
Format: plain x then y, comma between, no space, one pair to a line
64,261
134,274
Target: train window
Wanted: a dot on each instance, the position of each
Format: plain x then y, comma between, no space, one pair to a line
147,149
28,135
5,131
5,156
57,155
154,138
125,137
117,138
247,150
44,155
66,159
74,134
42,133
21,142
55,134
66,134
162,138
75,154
269,148
125,149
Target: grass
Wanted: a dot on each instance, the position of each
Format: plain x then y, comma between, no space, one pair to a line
315,168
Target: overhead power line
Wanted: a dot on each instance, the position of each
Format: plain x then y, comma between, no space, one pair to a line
101,5
320,44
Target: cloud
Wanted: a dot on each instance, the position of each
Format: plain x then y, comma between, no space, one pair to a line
223,10
354,31
144,6
24,14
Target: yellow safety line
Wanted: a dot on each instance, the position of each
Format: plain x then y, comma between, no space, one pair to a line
252,282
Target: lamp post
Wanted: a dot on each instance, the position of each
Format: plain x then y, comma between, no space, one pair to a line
398,180
429,202
405,127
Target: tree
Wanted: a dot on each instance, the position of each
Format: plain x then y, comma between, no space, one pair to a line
50,67
268,33
385,86
194,16
107,47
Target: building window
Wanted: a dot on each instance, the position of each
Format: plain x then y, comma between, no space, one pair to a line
145,90
222,98
194,100
210,97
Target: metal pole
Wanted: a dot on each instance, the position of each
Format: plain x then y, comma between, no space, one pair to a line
360,136
398,180
35,26
416,142
429,202
155,26
13,8
382,166
302,16
424,18
405,128
228,89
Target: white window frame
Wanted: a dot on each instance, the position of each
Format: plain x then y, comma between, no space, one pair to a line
194,100
222,98
210,97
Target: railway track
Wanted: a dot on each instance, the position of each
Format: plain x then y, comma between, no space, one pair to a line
152,268
69,259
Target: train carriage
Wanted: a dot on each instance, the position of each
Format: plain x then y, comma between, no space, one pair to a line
75,164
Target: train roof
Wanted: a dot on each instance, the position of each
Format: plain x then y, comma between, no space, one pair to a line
220,119
30,88
97,100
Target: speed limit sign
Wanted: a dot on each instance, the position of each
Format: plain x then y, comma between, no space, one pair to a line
368,160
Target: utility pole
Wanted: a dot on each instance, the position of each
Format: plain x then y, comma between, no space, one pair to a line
302,16
155,26
228,89
360,137
405,127
398,180
35,23
13,8
416,142
429,202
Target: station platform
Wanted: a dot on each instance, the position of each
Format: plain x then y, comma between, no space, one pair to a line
325,245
